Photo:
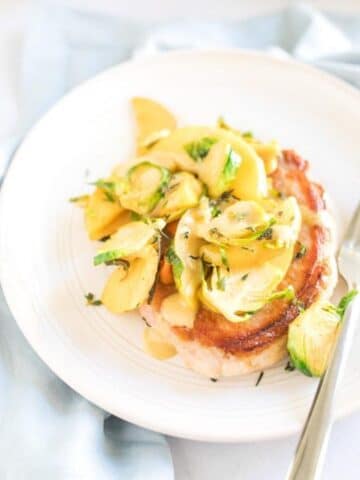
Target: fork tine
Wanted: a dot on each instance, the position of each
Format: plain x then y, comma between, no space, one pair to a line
352,234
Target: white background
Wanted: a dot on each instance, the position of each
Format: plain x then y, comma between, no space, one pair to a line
194,460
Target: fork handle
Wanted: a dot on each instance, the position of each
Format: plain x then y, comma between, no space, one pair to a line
310,452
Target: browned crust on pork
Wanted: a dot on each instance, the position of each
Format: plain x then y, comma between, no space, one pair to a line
308,275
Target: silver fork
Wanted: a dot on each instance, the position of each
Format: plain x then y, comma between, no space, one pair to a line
310,452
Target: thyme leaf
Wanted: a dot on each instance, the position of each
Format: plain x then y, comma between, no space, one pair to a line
90,300
289,367
301,252
259,379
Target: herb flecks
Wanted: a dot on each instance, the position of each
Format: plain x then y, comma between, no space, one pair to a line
207,269
107,187
289,367
199,150
277,194
215,232
300,305
301,252
90,300
212,379
81,201
104,239
259,379
186,235
244,277
120,262
227,196
224,258
135,216
266,234
248,134
287,293
146,322
172,187
215,204
247,249
215,211
221,123
177,264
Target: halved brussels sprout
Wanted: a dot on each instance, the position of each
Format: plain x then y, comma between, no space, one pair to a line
143,187
129,286
240,293
128,240
313,334
184,258
238,223
183,192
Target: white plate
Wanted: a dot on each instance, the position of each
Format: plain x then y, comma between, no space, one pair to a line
46,259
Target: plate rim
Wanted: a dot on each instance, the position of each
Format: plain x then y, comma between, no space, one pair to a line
238,54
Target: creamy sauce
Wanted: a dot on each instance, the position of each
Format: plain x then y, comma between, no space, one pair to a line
177,312
156,346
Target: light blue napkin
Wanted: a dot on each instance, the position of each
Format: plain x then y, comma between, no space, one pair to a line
48,431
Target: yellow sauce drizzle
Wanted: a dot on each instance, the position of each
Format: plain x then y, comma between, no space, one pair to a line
156,346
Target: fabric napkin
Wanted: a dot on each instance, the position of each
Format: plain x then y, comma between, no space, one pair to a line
47,430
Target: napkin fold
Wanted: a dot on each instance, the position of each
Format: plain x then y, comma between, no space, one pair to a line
47,430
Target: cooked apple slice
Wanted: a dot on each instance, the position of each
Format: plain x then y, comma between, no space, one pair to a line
268,151
313,333
130,239
103,216
197,142
234,258
129,286
153,121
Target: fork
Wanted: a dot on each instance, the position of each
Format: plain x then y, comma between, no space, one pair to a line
310,453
